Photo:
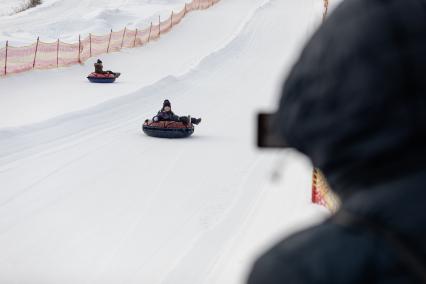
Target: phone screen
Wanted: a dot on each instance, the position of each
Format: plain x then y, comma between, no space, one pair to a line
267,136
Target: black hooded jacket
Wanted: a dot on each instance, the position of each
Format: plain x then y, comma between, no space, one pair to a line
355,103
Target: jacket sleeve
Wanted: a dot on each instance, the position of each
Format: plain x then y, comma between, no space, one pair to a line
323,254
157,117
274,269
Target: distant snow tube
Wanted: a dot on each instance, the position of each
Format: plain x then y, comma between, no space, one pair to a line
103,78
167,129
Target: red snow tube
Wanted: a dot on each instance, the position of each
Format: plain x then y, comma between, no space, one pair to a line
103,78
167,129
97,75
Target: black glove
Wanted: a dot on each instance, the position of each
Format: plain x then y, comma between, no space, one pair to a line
184,119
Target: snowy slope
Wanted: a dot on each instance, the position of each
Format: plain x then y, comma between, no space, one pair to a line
65,19
8,7
55,92
87,198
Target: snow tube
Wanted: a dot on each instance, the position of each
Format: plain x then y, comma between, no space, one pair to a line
103,78
167,129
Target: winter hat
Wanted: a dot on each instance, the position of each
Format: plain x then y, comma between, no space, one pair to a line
166,103
99,61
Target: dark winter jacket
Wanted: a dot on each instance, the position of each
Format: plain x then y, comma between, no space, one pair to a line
355,103
99,68
166,115
332,253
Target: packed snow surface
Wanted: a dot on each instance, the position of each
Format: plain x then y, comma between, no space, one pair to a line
86,197
66,19
9,7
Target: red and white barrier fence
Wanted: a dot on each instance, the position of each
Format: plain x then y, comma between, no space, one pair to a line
321,192
47,55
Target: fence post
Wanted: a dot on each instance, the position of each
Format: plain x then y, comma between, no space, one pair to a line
90,44
134,41
171,20
122,40
57,53
109,42
314,187
5,59
79,46
35,53
184,13
159,25
149,35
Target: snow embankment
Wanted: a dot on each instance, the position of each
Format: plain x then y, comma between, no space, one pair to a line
10,7
66,19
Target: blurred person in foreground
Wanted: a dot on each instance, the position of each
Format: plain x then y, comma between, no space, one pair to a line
355,103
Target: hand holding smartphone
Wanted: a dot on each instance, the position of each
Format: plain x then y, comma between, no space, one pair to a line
267,135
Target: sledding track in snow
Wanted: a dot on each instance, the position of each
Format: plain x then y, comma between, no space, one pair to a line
87,198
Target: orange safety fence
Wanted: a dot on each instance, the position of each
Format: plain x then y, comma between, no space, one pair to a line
47,55
19,59
322,193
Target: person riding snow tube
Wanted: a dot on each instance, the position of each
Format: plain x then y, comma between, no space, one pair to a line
101,76
166,124
168,128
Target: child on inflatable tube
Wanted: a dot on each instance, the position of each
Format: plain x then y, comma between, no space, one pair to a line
166,114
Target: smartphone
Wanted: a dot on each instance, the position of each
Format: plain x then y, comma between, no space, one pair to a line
267,136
